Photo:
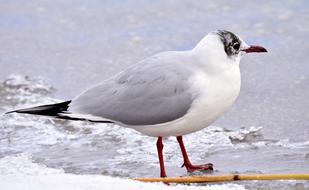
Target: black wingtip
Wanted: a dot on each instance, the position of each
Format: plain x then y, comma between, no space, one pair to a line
50,109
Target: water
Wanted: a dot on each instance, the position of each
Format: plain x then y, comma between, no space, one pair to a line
65,47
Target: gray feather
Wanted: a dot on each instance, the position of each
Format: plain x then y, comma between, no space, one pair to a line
153,91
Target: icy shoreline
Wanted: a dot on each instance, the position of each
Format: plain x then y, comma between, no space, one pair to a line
19,172
90,156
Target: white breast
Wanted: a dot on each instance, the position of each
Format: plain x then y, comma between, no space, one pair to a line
217,94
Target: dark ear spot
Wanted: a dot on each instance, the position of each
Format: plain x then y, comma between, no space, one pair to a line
236,45
230,42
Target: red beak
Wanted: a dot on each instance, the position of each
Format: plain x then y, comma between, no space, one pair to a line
257,49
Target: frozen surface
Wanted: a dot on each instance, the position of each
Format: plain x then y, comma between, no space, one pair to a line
19,172
65,46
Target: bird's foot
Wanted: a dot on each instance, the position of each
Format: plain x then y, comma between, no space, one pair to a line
203,167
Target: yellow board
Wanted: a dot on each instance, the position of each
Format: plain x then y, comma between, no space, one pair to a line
222,178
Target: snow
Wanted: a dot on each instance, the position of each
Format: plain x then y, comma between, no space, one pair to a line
20,172
93,182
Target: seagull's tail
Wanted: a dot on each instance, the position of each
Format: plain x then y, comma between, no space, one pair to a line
59,110
47,110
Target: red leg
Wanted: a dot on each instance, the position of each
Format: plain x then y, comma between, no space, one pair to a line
186,161
160,154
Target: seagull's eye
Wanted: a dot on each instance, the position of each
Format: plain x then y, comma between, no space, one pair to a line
236,45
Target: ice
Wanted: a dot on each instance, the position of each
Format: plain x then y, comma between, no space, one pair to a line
19,172
22,164
28,91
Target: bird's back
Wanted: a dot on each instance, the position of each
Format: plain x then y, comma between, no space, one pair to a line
154,91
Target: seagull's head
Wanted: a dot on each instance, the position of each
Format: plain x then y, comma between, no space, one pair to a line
234,46
224,46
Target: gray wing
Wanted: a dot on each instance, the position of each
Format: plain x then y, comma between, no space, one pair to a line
153,91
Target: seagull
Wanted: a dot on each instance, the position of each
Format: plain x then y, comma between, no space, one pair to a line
172,93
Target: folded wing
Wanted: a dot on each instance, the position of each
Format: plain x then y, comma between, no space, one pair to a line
154,91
